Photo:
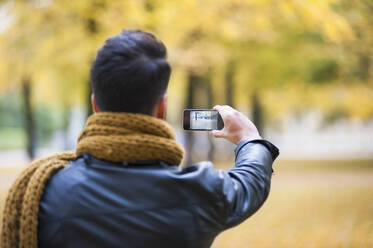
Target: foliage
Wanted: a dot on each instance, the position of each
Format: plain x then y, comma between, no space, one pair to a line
11,138
10,111
12,122
274,44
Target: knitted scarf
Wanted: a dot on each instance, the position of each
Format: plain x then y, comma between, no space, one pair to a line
111,136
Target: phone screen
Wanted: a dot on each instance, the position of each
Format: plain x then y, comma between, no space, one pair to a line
200,119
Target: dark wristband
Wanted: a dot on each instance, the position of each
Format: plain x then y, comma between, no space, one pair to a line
271,147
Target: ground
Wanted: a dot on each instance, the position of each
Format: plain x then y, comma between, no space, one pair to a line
311,204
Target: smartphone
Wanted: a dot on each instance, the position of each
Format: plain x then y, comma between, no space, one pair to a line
202,120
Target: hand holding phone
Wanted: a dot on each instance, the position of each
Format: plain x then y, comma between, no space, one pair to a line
237,127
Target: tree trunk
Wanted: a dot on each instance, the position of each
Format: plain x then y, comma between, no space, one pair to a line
257,112
364,66
89,109
210,102
29,123
66,123
229,84
93,28
190,103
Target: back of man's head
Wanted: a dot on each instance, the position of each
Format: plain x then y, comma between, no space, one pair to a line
130,73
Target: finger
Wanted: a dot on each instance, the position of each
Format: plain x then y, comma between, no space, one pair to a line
216,107
223,110
217,133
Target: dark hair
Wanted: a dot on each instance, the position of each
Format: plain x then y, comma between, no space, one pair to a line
130,73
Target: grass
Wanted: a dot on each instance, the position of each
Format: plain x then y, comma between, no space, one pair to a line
307,217
312,204
325,165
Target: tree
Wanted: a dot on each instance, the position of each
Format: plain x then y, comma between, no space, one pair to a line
19,50
252,47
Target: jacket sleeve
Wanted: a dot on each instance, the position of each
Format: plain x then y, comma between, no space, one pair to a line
245,187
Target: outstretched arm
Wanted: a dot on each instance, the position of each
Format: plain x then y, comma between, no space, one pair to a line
245,187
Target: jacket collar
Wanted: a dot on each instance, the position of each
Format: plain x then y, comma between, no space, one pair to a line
90,159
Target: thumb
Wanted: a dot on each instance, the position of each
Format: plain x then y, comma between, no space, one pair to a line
217,133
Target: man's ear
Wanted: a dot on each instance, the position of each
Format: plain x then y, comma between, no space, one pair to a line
161,109
94,104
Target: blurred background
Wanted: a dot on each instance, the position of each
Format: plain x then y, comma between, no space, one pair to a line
302,70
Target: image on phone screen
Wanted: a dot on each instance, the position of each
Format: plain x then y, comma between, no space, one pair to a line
201,119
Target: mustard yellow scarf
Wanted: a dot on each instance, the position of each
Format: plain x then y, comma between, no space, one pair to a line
111,136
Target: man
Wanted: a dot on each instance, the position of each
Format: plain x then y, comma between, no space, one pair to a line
122,187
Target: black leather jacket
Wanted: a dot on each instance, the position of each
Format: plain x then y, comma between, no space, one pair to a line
96,203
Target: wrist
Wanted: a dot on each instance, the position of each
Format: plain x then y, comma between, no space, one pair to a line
248,138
